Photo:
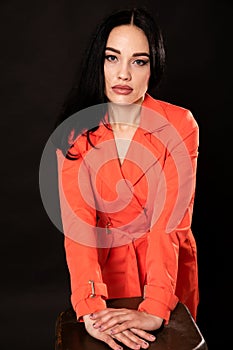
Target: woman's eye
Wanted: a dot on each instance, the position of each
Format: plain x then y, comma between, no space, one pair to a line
110,58
141,62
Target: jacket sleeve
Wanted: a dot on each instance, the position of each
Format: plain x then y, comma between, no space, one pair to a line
173,225
88,292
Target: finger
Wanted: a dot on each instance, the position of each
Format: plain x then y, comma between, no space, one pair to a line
111,319
125,325
104,337
110,342
107,313
142,334
124,339
100,313
143,344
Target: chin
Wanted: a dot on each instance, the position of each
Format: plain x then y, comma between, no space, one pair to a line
126,99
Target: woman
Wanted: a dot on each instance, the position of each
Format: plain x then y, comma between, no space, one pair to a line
126,183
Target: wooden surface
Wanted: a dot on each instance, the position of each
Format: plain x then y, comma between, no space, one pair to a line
181,333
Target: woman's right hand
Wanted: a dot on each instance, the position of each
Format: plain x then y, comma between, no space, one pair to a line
134,339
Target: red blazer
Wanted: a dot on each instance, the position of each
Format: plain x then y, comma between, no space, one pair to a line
128,227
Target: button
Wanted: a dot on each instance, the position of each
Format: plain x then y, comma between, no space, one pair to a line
92,283
107,227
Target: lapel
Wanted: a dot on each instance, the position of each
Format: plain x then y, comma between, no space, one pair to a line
144,151
105,168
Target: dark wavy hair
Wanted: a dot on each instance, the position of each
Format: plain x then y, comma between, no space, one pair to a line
89,91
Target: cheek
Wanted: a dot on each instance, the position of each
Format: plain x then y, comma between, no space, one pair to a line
107,75
147,77
107,82
144,80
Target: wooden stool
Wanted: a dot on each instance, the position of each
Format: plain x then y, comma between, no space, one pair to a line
181,333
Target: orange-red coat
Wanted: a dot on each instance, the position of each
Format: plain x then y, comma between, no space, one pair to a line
128,227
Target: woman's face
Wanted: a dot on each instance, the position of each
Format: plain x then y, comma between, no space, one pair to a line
126,65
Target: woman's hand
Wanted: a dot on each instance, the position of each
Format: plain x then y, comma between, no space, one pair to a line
119,320
134,338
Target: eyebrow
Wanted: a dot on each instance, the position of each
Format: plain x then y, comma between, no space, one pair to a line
136,54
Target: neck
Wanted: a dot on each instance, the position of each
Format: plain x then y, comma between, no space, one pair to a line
124,114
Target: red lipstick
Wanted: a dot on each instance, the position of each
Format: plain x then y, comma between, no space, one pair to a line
122,89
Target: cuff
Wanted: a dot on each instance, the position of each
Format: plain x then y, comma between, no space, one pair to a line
158,301
88,306
89,298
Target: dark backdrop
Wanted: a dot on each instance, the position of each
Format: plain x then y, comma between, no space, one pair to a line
42,43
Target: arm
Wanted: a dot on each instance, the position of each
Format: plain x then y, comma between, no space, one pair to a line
79,218
166,235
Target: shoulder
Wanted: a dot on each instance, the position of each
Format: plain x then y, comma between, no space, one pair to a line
178,116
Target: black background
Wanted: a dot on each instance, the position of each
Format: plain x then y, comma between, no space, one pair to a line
41,47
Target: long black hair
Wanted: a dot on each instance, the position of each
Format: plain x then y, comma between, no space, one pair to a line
89,91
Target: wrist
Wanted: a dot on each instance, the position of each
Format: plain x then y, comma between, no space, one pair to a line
86,317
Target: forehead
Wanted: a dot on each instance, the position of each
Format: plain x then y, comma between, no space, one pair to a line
128,36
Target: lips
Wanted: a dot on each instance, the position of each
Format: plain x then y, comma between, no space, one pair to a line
122,89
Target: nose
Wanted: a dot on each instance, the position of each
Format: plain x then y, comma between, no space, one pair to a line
124,72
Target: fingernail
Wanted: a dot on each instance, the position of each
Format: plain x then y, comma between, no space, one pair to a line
152,337
146,343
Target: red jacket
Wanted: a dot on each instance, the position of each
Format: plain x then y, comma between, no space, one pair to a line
127,228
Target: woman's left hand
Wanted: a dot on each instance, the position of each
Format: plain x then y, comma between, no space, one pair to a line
120,320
